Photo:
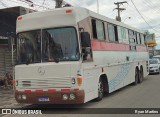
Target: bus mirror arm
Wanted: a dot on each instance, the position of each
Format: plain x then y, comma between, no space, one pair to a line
84,54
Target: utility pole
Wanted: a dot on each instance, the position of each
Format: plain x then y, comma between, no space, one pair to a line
97,6
58,3
118,18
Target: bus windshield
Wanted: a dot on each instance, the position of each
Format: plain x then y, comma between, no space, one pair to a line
47,45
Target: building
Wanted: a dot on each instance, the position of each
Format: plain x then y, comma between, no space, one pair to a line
8,17
157,52
151,42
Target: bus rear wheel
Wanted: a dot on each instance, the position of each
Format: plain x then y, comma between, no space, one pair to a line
136,77
141,76
100,90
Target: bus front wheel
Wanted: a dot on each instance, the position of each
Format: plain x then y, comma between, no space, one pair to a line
100,90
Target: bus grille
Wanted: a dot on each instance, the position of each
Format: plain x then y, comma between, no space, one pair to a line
44,83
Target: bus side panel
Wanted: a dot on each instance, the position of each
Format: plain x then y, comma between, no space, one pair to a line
118,70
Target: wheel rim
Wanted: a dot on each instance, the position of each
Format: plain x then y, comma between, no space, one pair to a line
100,89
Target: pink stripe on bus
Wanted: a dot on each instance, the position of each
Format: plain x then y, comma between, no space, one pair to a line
141,48
107,46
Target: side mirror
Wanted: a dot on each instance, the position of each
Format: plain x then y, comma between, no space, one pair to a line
85,39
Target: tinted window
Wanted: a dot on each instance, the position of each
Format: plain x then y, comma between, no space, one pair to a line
111,32
60,43
47,45
142,39
98,29
123,35
29,47
132,40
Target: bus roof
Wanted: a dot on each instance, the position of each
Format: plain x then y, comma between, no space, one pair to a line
78,13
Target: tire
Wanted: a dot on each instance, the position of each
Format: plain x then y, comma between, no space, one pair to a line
141,76
100,90
136,77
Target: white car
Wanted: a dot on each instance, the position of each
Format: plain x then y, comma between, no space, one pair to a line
157,57
154,66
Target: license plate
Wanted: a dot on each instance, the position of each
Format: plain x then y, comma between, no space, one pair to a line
43,99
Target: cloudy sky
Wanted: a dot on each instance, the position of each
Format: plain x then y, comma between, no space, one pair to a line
148,17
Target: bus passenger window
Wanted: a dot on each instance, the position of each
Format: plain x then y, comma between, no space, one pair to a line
94,28
98,29
116,33
112,32
142,39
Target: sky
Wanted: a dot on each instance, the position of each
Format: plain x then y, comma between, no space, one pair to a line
145,16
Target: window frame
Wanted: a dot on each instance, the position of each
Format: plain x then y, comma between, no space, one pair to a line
77,39
114,27
94,29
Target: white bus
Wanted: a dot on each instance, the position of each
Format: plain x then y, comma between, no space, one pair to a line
72,55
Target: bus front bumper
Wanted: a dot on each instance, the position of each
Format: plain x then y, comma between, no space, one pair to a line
58,97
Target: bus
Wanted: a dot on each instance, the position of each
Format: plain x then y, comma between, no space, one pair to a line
72,55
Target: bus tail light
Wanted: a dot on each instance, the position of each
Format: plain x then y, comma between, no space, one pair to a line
79,80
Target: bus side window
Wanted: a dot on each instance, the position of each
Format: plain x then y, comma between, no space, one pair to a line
113,33
132,40
138,38
86,46
142,39
116,33
94,28
98,29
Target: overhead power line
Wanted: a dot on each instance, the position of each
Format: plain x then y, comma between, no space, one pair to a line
43,2
143,17
3,4
34,4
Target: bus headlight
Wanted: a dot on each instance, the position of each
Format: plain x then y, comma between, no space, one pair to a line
72,97
65,97
19,97
24,97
